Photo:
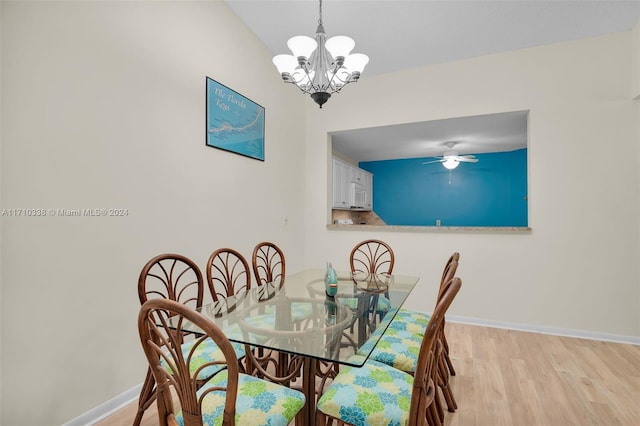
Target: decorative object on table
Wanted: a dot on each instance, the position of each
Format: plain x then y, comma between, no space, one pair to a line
331,281
234,123
320,67
330,306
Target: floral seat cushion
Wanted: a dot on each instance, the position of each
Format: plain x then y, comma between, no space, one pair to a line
384,304
399,345
410,321
258,403
377,333
206,352
396,348
374,394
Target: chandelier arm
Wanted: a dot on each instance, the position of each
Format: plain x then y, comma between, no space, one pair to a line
302,89
333,85
335,76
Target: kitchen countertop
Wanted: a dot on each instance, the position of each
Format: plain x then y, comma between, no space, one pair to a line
358,227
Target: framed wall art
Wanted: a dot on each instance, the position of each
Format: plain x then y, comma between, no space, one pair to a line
234,123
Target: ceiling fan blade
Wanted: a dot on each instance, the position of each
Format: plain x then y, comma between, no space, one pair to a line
467,159
434,161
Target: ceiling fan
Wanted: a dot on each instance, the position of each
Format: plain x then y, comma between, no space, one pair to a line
450,159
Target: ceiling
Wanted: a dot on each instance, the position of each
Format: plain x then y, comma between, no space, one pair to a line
398,35
471,135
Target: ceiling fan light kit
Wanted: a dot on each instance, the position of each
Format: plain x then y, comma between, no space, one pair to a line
450,163
450,159
320,67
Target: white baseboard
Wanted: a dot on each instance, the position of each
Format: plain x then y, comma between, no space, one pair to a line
107,408
582,334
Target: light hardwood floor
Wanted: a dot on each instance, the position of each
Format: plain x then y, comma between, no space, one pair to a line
507,377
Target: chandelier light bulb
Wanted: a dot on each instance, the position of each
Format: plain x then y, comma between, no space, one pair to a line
285,63
356,62
340,46
302,46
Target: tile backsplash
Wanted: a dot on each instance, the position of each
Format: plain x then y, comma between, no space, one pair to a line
357,217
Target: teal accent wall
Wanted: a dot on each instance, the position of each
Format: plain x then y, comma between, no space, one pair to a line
491,192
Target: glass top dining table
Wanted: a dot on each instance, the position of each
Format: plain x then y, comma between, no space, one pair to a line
310,332
299,318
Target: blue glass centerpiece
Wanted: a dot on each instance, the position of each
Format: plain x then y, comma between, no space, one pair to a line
331,281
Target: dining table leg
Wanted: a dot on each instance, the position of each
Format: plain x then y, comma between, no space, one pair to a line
309,370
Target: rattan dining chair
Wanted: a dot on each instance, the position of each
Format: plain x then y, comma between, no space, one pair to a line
173,277
228,397
406,315
445,364
228,274
269,267
379,394
369,258
372,257
399,343
268,264
168,276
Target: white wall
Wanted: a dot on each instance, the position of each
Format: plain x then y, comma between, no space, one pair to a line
103,106
578,267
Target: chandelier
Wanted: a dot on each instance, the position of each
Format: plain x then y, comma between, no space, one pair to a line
319,66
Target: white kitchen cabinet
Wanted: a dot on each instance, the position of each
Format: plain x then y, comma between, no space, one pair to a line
359,176
341,180
368,185
352,187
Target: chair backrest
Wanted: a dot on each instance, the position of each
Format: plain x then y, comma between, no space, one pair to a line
423,390
228,273
268,264
174,277
159,322
449,271
372,257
